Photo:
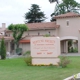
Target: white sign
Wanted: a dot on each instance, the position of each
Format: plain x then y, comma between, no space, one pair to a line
45,47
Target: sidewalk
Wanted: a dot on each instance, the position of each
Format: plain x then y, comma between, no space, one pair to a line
63,54
70,54
14,56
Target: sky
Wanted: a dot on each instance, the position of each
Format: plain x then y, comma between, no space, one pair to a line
13,11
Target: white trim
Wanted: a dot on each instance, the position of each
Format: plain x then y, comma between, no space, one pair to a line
69,37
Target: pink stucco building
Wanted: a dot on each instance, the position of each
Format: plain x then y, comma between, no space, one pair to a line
66,26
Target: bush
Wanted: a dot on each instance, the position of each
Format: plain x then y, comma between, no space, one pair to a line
47,35
28,60
75,50
27,53
3,49
64,61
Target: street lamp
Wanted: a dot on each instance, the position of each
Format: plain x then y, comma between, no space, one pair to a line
51,1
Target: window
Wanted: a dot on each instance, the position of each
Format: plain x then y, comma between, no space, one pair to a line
49,32
28,34
5,34
67,23
38,33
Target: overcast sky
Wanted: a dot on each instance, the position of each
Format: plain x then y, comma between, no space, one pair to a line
12,11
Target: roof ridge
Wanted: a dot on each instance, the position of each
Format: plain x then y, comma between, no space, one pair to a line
41,22
69,14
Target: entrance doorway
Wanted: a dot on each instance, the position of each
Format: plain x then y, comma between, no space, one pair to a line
69,46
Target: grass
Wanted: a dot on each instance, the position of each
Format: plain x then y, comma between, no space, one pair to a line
16,69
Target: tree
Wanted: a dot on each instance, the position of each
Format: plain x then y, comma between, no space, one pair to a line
65,6
3,49
18,30
34,15
51,1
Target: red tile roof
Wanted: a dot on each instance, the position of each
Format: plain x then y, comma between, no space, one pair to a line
38,26
24,41
6,30
46,25
70,14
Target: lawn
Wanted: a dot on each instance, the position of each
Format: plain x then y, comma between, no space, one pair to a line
16,69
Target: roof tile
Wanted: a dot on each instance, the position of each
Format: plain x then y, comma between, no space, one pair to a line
69,14
24,41
47,25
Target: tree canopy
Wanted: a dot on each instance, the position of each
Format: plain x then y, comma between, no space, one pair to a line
35,14
51,1
66,6
18,30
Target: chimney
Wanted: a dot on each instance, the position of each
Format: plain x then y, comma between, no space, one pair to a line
3,25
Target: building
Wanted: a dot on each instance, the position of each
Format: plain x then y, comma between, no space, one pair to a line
8,39
66,26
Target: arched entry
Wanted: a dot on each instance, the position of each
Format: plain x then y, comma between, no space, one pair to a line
69,44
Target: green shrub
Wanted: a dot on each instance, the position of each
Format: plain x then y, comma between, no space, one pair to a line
28,60
50,64
47,35
75,50
27,53
0,48
64,61
3,49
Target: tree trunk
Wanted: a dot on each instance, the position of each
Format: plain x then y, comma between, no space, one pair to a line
16,46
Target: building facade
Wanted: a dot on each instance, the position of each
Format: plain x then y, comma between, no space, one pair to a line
8,39
66,26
